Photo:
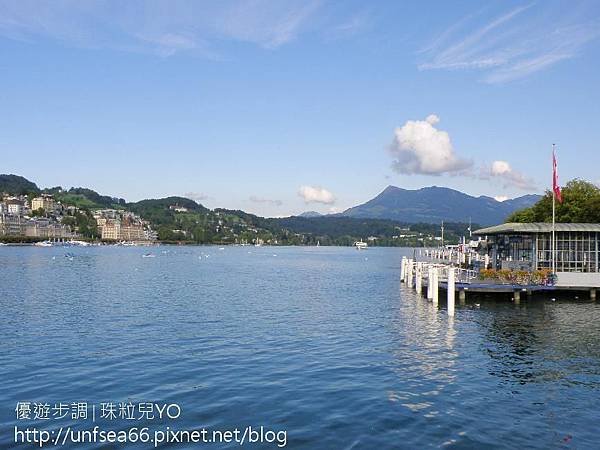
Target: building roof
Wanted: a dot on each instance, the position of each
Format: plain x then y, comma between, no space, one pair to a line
537,227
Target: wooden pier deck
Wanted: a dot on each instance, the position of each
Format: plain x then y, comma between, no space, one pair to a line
452,280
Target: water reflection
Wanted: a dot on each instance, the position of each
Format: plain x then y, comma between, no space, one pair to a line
542,341
323,342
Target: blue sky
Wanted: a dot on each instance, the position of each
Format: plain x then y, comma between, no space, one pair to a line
277,107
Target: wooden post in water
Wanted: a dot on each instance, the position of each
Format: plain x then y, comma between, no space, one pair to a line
462,297
403,269
593,294
435,286
429,282
409,272
451,287
419,279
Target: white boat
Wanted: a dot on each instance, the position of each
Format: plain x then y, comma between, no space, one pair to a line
360,245
79,243
43,244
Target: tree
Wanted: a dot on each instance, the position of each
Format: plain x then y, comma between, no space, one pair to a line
581,204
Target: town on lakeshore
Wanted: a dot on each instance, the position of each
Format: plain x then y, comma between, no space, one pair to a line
29,214
42,218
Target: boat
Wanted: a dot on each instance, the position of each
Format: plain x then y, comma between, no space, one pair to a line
43,244
148,255
360,245
78,243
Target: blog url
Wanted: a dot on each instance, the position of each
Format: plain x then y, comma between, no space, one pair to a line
67,436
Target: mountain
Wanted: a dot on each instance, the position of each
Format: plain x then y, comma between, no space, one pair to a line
310,214
435,204
15,184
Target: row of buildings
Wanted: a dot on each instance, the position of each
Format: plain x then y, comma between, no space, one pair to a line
42,218
118,225
37,218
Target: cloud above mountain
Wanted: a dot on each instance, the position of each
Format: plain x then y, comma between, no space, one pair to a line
316,194
196,196
421,148
503,171
268,201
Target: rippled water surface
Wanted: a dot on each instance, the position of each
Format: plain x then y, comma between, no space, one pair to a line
321,342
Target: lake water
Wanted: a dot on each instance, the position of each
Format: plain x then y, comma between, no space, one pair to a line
323,343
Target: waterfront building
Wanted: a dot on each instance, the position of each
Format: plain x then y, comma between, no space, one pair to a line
116,225
11,224
528,246
132,232
111,229
47,229
150,235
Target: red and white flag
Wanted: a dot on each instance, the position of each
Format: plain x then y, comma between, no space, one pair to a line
555,186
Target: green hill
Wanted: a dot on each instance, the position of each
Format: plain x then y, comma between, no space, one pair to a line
17,185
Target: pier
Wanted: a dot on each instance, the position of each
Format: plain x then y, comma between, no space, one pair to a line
428,278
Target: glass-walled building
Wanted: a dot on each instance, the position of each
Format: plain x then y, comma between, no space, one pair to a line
528,246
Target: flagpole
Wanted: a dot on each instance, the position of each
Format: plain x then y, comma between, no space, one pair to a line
553,215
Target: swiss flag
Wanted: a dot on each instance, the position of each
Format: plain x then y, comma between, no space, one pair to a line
555,186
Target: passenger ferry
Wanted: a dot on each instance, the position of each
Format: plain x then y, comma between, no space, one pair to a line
360,245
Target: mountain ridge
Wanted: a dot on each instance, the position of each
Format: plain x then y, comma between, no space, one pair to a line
433,204
430,204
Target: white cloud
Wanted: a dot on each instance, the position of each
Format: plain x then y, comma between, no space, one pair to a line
255,199
432,119
515,43
162,27
500,198
510,177
420,148
196,196
316,194
500,168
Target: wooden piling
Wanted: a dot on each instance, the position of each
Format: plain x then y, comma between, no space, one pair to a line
451,287
435,286
429,282
403,269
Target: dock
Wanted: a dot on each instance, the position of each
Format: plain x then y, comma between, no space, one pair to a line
430,277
